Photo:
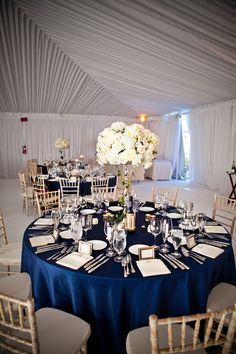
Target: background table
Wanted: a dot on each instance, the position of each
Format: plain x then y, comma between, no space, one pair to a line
85,187
114,305
233,184
160,170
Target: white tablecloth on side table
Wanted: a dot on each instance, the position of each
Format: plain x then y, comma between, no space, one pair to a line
160,170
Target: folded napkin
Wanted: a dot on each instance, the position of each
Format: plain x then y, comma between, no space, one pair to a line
42,221
150,267
207,250
74,260
214,229
41,240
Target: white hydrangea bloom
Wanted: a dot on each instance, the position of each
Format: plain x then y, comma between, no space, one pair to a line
123,144
62,144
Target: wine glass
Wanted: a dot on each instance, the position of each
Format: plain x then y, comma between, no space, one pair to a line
166,228
119,243
155,229
109,232
177,236
76,230
201,222
87,222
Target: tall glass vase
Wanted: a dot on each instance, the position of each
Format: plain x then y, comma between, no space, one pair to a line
61,151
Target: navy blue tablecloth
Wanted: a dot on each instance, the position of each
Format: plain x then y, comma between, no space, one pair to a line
85,187
114,305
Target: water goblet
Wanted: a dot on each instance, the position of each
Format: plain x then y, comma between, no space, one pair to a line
109,232
87,222
76,230
177,236
155,229
201,222
119,243
166,228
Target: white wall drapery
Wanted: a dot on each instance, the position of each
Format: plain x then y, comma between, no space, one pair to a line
213,144
39,134
169,129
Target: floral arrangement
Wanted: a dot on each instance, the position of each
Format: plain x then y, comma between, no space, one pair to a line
123,144
62,144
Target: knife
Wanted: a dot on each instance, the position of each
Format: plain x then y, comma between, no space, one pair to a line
98,265
178,262
88,264
168,260
94,263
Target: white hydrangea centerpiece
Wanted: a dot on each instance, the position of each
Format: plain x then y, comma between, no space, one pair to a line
62,144
123,144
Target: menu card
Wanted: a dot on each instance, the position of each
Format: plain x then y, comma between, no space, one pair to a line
208,250
41,240
150,267
74,260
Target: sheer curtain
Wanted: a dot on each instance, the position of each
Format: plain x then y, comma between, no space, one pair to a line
213,144
39,134
169,130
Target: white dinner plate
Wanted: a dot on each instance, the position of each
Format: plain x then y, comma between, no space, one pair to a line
134,249
146,209
115,208
87,211
66,234
174,215
183,241
98,244
190,227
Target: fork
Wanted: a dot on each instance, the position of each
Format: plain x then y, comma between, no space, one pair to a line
124,263
186,253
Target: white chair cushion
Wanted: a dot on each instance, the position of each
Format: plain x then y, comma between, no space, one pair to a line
16,285
138,340
221,296
11,253
60,332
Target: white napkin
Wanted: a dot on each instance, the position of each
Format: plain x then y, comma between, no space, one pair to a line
41,240
149,267
215,229
74,260
207,250
43,221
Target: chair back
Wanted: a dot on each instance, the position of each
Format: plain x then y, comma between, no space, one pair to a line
99,185
18,328
47,201
224,211
69,186
199,322
170,193
3,234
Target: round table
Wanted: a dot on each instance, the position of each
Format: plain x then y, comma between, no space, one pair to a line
114,305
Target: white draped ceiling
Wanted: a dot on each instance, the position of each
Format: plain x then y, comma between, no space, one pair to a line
116,57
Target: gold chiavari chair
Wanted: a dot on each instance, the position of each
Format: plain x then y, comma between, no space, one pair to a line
181,334
224,211
69,187
10,252
47,201
26,192
48,330
170,193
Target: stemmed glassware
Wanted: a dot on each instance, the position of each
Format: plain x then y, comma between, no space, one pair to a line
177,236
155,229
87,222
201,222
76,230
119,243
166,228
109,232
